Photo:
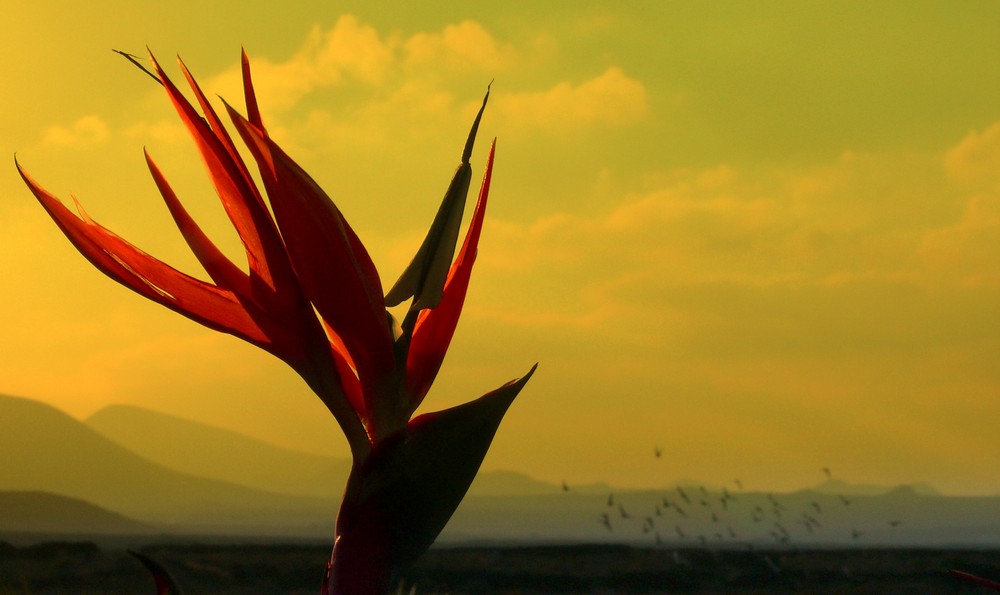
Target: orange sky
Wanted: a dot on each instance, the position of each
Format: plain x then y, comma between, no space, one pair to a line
765,239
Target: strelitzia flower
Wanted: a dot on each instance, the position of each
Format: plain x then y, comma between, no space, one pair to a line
311,296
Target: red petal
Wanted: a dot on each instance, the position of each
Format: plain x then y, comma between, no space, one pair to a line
435,328
165,584
985,582
249,97
240,199
204,303
334,270
347,371
225,274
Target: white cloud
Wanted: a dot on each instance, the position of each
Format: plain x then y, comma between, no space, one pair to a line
357,53
968,250
349,51
165,131
465,46
976,158
609,98
88,130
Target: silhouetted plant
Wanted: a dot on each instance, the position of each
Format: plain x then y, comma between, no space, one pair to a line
313,298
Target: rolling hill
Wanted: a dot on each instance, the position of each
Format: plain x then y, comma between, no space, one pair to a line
181,445
195,478
44,449
41,512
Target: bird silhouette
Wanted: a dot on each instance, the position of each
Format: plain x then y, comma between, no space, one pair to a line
565,487
621,511
680,532
826,471
611,499
657,451
683,495
606,521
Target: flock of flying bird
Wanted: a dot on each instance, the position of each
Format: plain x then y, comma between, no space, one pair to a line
718,518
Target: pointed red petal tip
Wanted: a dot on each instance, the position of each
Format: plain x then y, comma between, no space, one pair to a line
435,328
249,96
398,501
983,582
165,584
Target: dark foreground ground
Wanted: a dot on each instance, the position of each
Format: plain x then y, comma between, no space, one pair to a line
83,567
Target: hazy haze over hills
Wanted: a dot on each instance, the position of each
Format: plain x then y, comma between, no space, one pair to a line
182,445
45,449
62,475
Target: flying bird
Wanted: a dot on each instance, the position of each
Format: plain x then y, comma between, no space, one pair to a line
684,495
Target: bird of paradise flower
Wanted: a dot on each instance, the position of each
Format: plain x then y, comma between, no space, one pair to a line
312,297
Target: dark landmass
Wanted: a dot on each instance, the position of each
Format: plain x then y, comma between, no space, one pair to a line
40,512
247,569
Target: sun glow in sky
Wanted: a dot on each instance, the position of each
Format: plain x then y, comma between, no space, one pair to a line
764,237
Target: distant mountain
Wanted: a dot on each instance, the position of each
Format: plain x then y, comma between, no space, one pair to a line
838,486
41,512
182,444
897,517
509,483
208,451
43,449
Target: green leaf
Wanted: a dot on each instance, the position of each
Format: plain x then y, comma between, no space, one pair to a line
424,277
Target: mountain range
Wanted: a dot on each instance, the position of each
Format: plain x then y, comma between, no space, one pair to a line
128,470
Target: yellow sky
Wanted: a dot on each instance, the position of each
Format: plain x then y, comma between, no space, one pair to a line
766,239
